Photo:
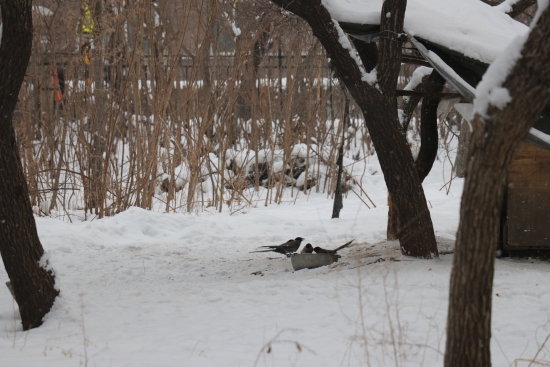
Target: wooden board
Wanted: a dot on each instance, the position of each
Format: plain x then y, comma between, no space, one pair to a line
528,200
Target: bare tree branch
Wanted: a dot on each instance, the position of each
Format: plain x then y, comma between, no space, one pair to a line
408,93
520,7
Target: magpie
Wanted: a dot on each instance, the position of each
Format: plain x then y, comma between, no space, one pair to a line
286,248
308,249
333,252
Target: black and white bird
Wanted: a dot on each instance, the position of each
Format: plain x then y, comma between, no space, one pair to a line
286,248
333,252
308,249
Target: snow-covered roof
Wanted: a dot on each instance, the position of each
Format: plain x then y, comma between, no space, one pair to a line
470,27
440,28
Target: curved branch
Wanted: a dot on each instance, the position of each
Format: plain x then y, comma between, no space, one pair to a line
429,84
428,128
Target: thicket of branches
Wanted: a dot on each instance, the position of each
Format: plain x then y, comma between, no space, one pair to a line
179,106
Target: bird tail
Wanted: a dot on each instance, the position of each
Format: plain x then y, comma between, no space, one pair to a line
251,252
343,246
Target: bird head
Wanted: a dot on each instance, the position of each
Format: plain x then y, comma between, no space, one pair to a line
299,239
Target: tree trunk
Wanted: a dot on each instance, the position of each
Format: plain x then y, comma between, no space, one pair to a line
392,230
379,106
20,247
494,143
428,145
463,144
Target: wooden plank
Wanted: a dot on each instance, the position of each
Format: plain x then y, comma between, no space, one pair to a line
528,199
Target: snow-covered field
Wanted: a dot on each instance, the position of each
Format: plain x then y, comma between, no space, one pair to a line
152,289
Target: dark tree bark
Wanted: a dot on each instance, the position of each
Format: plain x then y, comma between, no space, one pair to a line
428,127
19,244
494,143
379,106
429,143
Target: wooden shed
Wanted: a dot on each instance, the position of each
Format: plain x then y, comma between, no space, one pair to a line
526,214
526,211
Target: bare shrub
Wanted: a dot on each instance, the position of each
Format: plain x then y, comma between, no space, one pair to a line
178,106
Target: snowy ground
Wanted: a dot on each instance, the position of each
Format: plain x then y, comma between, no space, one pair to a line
152,289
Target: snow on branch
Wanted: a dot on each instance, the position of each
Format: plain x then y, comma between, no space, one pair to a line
514,7
490,91
418,74
371,77
542,5
236,30
506,6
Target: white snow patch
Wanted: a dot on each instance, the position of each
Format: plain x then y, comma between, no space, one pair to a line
46,264
45,261
417,77
278,166
506,6
144,288
490,91
236,30
466,110
299,150
302,178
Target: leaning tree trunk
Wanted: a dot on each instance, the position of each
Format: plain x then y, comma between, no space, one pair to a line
20,247
494,142
428,144
378,103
